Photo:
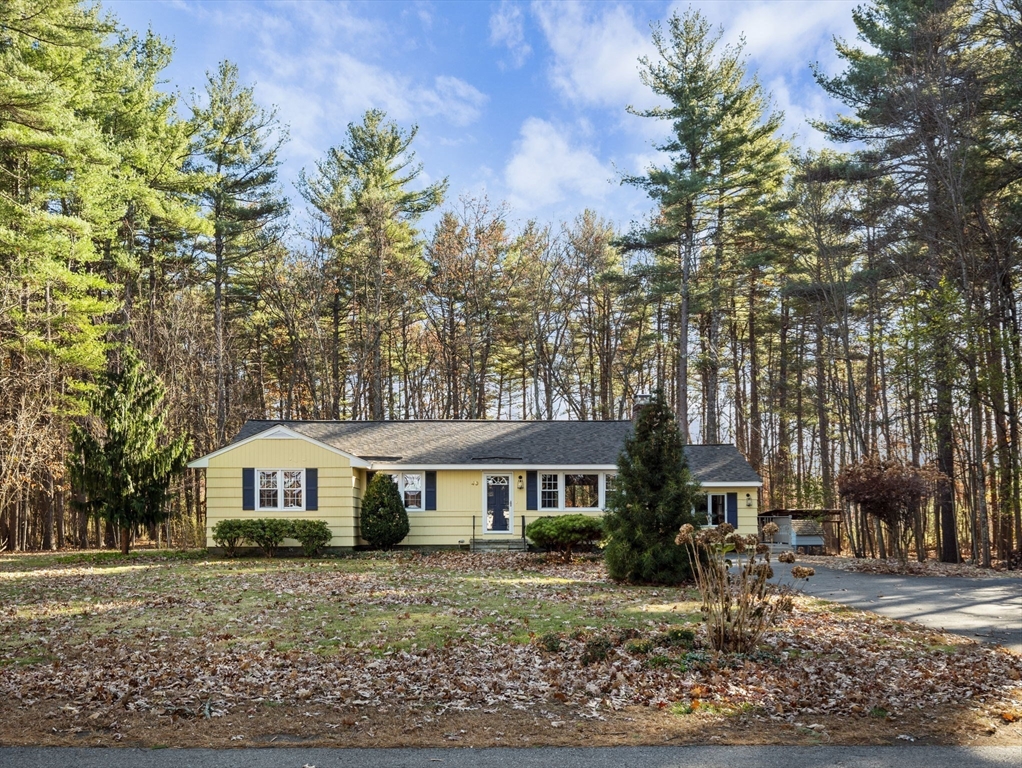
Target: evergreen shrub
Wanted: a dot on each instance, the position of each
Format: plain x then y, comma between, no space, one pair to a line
562,533
653,499
229,535
313,535
267,533
384,521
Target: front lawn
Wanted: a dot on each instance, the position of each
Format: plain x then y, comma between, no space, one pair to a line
453,648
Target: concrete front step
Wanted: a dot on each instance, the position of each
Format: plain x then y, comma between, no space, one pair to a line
498,545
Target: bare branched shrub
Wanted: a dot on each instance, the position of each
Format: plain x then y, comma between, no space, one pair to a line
739,603
890,491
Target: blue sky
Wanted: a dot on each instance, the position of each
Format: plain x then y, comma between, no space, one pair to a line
523,102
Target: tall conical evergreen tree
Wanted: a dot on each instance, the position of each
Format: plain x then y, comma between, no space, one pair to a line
653,499
121,463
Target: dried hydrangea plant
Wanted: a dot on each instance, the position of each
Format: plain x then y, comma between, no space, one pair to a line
738,603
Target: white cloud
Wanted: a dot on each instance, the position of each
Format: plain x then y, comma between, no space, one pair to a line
507,27
460,102
355,85
596,53
546,168
780,34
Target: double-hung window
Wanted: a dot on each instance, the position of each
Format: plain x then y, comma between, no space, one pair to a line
574,490
549,491
412,490
281,489
409,486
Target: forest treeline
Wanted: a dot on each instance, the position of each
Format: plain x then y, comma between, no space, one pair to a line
815,308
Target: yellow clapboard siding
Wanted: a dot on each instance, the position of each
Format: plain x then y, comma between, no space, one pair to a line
460,496
336,490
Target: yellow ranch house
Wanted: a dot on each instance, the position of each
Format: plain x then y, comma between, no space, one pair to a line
464,483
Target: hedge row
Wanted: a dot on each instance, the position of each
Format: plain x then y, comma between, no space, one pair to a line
268,532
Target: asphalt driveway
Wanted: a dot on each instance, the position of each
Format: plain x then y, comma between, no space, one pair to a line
986,610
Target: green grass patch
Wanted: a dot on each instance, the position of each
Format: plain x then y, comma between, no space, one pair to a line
383,603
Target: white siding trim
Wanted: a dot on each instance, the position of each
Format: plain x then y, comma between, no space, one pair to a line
278,432
725,484
387,466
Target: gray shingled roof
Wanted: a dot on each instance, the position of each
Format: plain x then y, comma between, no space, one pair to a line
545,443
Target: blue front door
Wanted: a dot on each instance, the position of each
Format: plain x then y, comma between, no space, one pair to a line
498,503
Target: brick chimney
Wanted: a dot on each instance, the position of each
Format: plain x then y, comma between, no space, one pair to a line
638,403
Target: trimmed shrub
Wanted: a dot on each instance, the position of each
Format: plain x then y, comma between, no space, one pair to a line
384,521
313,535
562,533
267,533
229,535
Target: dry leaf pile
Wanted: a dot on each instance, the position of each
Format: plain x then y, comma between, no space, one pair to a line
913,568
444,633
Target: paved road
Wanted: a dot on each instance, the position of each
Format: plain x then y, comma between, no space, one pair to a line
614,757
987,610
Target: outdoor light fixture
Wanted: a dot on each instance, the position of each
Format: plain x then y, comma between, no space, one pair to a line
748,499
521,483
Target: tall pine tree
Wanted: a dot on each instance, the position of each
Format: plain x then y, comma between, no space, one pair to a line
362,191
238,146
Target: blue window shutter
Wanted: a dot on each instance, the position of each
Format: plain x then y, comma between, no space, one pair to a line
732,509
312,488
531,501
248,488
431,490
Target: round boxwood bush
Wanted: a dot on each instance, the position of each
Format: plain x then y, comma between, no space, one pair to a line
384,521
229,535
267,533
313,535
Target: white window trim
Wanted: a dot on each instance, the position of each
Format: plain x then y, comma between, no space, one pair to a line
560,491
601,490
706,523
398,476
280,491
603,487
